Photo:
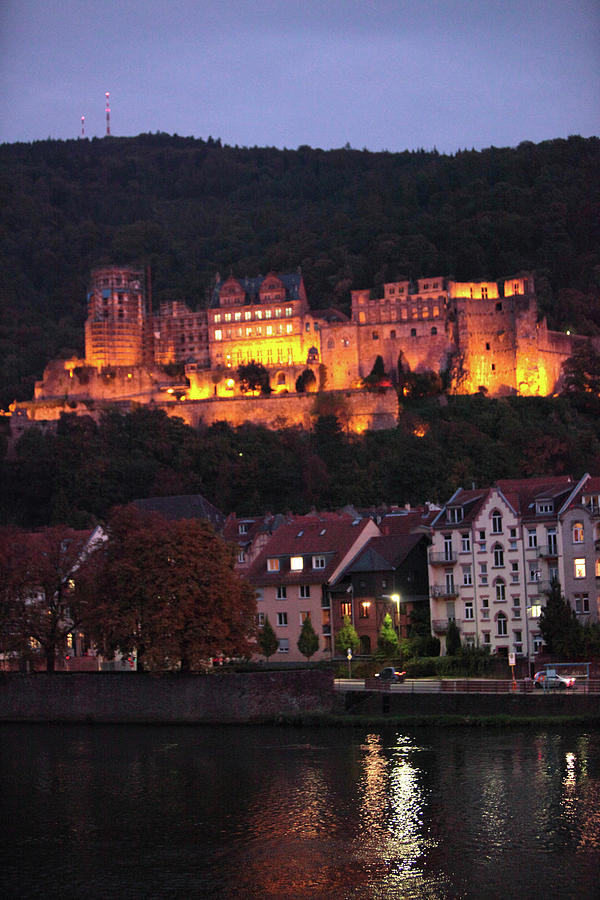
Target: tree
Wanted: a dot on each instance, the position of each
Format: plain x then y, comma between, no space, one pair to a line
453,643
49,588
558,624
308,642
377,377
171,593
267,640
253,377
306,381
346,637
387,639
582,378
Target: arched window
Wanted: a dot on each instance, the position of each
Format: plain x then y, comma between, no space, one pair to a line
498,556
281,378
502,625
330,344
434,330
496,522
578,532
500,591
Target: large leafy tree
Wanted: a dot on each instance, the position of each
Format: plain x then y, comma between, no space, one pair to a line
171,593
48,588
253,377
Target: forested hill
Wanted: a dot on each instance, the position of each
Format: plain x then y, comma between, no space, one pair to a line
191,208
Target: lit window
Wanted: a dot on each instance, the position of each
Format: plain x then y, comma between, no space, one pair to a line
288,328
304,615
346,609
258,313
273,564
578,532
296,563
267,313
247,315
228,317
278,312
218,334
238,317
288,311
217,317
579,568
269,329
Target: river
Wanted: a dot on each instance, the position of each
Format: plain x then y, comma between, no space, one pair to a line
101,812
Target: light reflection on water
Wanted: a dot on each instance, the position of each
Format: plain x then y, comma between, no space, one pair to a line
298,813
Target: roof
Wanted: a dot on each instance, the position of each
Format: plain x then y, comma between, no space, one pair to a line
523,493
251,286
381,554
253,526
326,534
184,506
470,502
406,521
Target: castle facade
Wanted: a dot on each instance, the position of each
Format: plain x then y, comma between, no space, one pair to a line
482,335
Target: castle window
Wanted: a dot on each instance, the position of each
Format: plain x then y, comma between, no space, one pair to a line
434,330
425,312
247,315
228,317
218,334
278,312
258,313
217,317
330,344
487,346
269,329
259,330
267,313
436,311
248,332
415,313
392,334
238,316
484,293
288,311
413,332
493,367
375,335
498,307
404,313
288,327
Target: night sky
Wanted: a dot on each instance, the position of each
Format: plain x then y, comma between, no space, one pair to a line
381,74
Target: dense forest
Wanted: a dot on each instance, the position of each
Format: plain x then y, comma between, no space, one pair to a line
190,208
75,476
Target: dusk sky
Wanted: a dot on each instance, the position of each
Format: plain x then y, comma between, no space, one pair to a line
381,74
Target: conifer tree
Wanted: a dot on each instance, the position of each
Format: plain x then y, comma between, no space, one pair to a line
347,638
267,640
308,642
387,640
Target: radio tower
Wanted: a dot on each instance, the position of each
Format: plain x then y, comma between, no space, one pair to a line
107,114
83,126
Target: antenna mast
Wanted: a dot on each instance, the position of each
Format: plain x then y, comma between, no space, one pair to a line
107,114
83,126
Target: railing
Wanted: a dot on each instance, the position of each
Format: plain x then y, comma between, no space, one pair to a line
446,558
441,591
547,550
441,625
473,686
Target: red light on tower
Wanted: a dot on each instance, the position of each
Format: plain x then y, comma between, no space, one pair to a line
107,114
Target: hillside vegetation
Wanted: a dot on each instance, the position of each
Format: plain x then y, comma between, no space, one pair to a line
191,208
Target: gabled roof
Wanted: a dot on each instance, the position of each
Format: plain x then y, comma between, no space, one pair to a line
184,506
254,525
469,501
327,534
385,553
292,283
524,493
406,521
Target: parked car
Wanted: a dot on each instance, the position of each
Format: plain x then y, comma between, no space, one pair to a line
391,674
553,680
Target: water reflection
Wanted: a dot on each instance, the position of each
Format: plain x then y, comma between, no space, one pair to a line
285,813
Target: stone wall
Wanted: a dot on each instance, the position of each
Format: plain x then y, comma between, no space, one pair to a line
130,697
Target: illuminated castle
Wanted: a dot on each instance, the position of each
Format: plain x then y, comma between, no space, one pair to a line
484,335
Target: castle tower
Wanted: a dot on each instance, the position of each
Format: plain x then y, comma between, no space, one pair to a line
114,329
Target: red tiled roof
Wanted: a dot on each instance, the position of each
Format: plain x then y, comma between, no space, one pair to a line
327,534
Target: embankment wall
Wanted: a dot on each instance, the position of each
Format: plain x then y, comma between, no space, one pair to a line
130,697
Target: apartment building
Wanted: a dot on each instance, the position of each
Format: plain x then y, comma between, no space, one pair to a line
494,553
579,541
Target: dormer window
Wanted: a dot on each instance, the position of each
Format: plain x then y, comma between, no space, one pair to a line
318,562
296,563
454,514
544,506
273,564
243,528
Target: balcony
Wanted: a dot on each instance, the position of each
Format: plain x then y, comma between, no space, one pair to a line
538,587
447,558
440,626
443,591
549,551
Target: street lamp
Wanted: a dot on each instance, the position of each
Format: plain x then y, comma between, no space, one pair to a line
395,598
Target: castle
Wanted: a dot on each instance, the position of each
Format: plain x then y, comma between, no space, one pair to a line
483,335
